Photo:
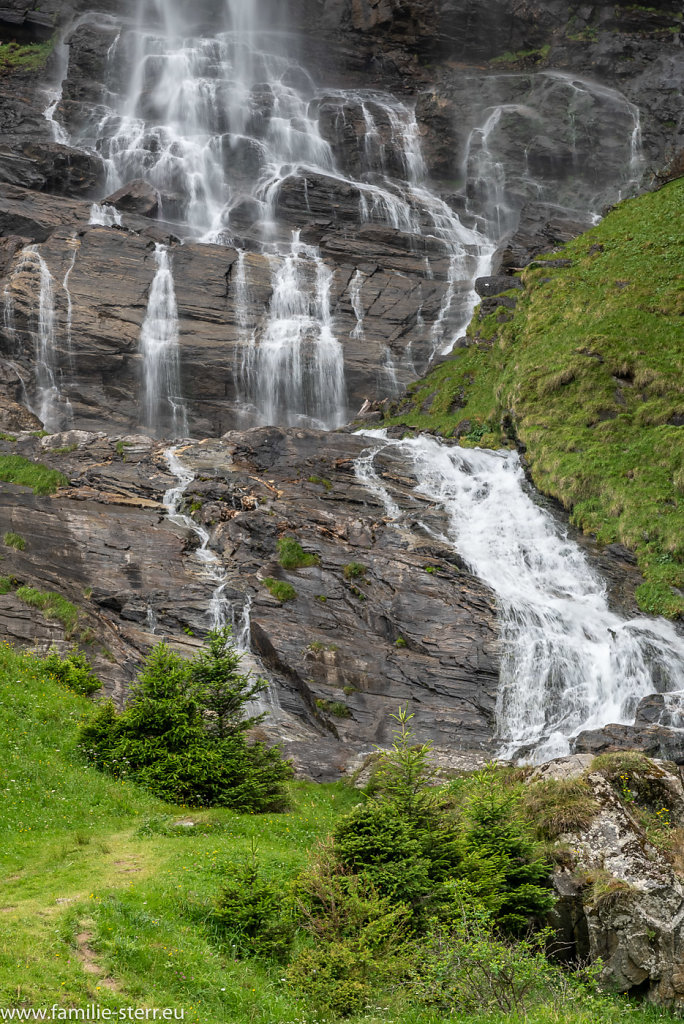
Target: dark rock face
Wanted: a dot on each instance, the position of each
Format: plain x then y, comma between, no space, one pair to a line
384,634
136,197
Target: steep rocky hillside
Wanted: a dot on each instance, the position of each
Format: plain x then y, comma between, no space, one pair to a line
292,232
580,363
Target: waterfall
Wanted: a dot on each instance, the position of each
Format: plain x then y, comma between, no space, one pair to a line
32,273
163,409
104,215
220,609
298,375
568,662
221,119
74,245
355,286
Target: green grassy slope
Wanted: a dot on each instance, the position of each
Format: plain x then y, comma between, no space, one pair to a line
587,373
105,892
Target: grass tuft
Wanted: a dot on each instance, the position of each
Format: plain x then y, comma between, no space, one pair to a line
281,590
15,469
292,555
14,540
53,606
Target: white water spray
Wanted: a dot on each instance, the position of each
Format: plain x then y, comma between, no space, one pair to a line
104,215
568,663
163,409
220,611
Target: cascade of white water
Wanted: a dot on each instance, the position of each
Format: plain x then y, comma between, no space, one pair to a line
48,402
74,245
221,611
163,409
104,215
298,365
355,287
218,606
219,119
568,662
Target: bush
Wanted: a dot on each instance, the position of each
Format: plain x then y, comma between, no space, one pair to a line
74,671
360,936
354,571
336,978
503,858
379,845
464,967
248,913
292,555
281,590
169,741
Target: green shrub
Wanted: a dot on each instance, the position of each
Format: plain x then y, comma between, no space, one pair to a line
291,554
249,912
74,671
7,585
223,692
354,571
377,844
337,978
15,469
359,934
464,967
503,858
281,590
53,606
15,540
181,736
334,707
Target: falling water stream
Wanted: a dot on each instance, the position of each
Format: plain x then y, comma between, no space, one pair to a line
222,122
163,408
568,662
221,611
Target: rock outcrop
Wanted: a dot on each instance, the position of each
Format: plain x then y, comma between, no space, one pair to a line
620,897
369,628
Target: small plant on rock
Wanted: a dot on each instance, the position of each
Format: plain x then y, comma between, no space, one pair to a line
292,555
281,590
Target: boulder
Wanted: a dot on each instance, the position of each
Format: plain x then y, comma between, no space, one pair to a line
135,197
620,898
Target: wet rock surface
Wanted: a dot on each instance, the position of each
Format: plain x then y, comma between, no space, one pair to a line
456,60
342,655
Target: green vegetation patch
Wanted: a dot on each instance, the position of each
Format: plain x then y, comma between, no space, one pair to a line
28,57
522,56
73,671
334,707
53,606
280,589
588,373
292,555
14,540
15,469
